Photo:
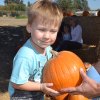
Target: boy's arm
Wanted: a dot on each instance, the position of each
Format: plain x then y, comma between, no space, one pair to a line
34,86
28,86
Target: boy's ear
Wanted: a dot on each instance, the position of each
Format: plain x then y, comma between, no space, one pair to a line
28,28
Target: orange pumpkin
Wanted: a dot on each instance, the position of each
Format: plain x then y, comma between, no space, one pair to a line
76,97
63,71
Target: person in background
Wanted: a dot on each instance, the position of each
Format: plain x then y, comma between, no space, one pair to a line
66,36
76,40
76,32
98,13
85,13
44,20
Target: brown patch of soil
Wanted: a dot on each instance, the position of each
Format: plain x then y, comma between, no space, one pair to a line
11,39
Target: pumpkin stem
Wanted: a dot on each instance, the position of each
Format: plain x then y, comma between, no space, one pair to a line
54,53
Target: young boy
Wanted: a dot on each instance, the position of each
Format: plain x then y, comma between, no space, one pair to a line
44,19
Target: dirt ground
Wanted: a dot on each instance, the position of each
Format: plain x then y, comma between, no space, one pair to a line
10,21
12,36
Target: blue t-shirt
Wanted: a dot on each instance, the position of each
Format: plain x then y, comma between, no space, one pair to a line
28,63
93,74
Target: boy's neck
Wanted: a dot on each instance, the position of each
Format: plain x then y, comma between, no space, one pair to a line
38,49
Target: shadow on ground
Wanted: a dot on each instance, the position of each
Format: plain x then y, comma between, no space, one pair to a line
11,39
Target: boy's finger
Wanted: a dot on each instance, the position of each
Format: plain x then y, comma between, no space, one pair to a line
48,84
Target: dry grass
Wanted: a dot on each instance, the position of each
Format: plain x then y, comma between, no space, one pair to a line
6,21
4,96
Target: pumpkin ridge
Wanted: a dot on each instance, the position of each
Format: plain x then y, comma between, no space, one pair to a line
53,73
71,75
67,67
73,70
78,64
68,72
60,75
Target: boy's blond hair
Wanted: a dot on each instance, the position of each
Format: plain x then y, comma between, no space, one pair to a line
46,11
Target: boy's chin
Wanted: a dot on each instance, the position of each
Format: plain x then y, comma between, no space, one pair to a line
44,46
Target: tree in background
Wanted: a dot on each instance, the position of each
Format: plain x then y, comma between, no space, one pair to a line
15,5
6,2
63,4
85,5
28,4
13,8
13,1
73,5
66,5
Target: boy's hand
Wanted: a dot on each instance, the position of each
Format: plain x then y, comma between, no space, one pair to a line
45,88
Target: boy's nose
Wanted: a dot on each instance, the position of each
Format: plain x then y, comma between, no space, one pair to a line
47,35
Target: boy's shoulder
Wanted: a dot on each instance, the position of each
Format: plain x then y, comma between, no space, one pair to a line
26,50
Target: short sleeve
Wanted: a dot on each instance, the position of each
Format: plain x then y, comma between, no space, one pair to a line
20,72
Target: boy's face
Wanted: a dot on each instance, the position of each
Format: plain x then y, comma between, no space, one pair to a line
42,35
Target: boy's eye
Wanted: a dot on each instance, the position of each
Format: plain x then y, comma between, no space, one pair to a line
42,30
53,31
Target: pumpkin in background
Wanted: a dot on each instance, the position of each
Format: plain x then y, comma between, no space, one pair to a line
63,71
76,97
